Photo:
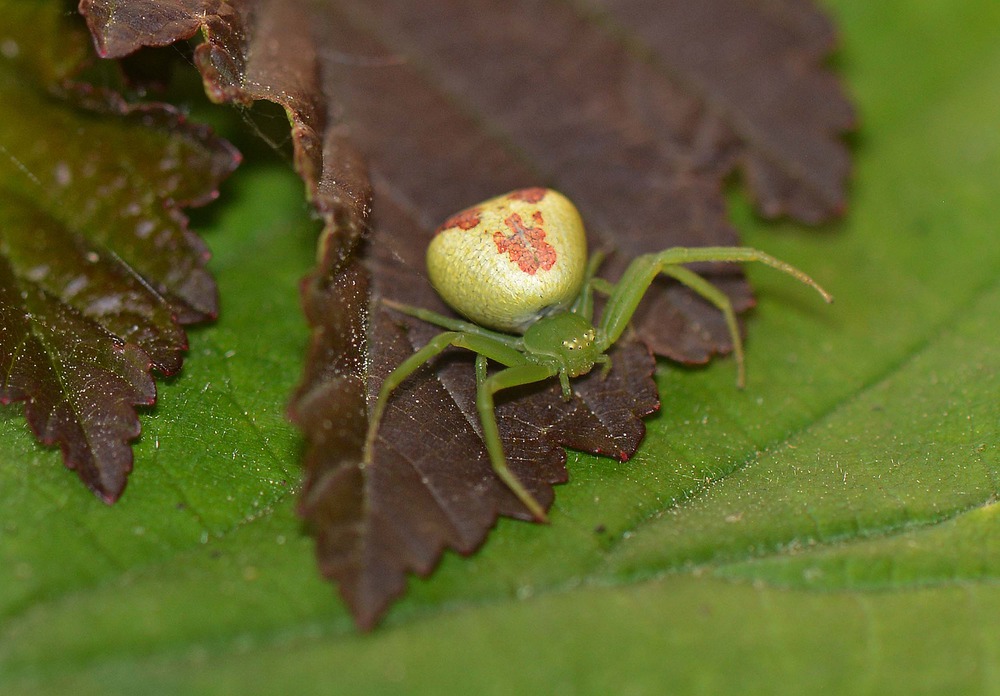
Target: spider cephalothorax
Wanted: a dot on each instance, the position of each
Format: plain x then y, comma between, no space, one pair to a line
516,266
566,341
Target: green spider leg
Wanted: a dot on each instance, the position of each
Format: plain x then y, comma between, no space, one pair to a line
487,345
584,303
626,294
486,387
453,324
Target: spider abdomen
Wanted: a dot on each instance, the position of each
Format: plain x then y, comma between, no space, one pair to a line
510,260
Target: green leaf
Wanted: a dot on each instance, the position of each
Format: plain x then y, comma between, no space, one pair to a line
98,270
831,529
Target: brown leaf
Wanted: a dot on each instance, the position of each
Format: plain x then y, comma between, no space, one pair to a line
753,66
98,270
642,154
641,145
441,105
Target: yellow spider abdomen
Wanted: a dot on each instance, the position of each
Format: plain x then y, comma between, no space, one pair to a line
510,260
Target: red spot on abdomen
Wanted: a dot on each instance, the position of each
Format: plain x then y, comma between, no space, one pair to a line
465,220
526,246
528,195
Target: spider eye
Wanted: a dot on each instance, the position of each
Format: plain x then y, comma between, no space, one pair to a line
577,342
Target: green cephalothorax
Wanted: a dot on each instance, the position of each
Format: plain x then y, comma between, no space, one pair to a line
566,340
516,267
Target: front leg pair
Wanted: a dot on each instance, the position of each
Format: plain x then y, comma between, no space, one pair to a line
486,387
518,371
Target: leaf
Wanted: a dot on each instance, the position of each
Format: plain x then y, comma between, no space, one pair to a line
98,270
642,187
201,581
641,146
758,85
650,177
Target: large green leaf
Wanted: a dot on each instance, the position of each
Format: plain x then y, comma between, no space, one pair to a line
845,536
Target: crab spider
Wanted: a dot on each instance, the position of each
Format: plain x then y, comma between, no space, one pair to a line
515,266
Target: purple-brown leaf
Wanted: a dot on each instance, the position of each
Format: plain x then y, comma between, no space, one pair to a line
404,112
641,143
98,270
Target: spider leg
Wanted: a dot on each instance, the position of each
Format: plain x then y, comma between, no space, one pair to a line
602,286
584,303
723,304
451,323
483,345
635,281
605,361
505,379
481,367
567,391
